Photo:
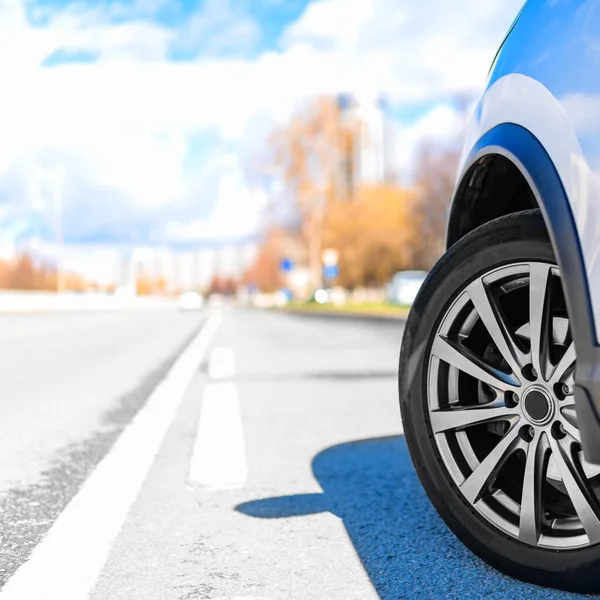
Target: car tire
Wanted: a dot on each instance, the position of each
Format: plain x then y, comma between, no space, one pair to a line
509,480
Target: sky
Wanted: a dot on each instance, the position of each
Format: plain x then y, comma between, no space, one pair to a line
132,121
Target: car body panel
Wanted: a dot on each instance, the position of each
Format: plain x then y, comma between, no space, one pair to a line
545,81
546,78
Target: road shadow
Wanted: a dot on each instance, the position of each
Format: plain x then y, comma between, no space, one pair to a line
404,546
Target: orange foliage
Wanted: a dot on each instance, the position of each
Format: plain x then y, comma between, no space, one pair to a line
374,235
435,172
265,272
222,285
315,153
377,230
150,286
160,285
144,286
76,283
22,273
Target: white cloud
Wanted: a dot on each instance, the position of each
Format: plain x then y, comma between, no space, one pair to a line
121,126
219,27
411,50
237,212
443,123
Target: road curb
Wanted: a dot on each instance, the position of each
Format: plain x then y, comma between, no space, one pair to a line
344,316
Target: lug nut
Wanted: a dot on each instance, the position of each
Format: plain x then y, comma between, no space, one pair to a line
558,431
527,433
529,372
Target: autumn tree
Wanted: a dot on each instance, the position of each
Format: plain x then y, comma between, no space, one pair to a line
23,273
230,286
265,272
77,283
377,230
435,174
314,153
144,286
222,285
161,286
374,235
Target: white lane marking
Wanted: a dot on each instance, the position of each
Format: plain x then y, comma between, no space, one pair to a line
219,456
221,364
67,562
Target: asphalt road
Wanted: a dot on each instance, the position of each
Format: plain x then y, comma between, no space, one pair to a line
70,384
283,473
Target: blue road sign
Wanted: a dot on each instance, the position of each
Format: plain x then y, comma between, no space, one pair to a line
331,272
286,265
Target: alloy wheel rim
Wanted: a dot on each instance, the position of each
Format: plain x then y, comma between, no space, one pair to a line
501,408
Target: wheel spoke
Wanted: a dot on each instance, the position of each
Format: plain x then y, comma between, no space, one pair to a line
486,389
564,364
569,420
568,413
571,430
570,381
539,326
531,498
466,361
459,418
476,484
489,313
585,503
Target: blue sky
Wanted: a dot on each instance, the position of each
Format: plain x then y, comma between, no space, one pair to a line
136,120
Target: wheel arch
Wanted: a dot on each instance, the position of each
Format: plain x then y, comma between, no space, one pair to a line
491,186
508,170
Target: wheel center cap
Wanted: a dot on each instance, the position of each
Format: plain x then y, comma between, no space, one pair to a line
538,406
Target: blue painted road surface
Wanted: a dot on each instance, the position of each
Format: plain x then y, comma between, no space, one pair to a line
403,545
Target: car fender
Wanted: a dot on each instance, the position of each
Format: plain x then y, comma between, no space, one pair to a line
526,152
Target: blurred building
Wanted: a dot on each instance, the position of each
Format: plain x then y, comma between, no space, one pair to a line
188,269
122,266
366,159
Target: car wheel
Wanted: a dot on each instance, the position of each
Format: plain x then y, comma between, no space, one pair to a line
486,394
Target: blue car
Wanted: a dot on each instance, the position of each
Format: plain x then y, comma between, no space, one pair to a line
500,362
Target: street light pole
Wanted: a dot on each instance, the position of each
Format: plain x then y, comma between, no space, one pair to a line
57,197
60,278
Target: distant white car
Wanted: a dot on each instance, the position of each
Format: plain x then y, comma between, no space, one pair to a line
216,300
190,301
404,286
